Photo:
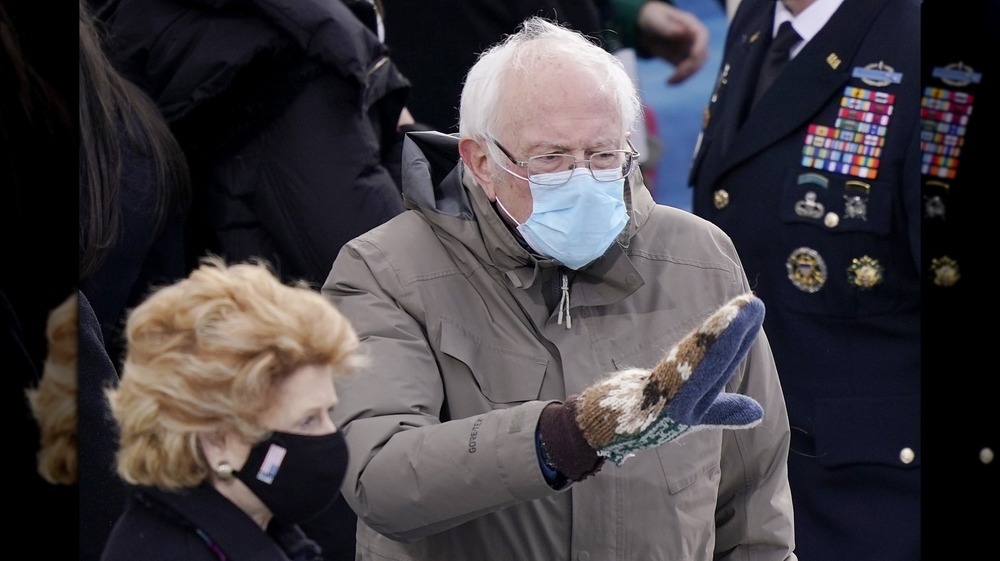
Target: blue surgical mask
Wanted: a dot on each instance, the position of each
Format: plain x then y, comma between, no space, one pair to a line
576,222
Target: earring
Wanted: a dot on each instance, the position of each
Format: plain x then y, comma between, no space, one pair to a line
224,471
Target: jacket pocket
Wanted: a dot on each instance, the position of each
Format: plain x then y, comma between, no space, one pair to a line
881,430
697,460
504,375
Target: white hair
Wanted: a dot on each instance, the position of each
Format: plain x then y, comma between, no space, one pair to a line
537,42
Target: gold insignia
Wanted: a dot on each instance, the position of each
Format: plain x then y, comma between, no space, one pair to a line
754,37
865,272
854,185
721,199
833,60
945,270
806,269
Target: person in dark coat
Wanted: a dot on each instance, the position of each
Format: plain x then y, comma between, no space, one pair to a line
223,411
102,493
135,190
817,183
286,110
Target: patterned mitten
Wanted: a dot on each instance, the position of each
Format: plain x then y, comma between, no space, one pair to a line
637,409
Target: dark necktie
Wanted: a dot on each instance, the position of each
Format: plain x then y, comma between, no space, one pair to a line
777,57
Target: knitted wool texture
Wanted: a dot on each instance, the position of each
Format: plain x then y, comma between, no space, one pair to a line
636,408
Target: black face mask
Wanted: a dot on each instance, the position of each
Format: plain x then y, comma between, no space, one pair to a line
297,476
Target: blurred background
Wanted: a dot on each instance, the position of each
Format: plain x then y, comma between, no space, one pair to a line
678,109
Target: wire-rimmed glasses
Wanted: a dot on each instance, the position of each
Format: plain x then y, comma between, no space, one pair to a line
556,169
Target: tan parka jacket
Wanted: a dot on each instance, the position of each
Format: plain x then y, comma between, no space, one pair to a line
464,354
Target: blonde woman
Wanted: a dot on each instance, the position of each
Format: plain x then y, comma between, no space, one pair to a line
223,408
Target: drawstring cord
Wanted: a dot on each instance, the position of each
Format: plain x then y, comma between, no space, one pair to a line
564,303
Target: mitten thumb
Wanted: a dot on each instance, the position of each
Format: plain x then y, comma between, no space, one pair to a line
710,356
732,411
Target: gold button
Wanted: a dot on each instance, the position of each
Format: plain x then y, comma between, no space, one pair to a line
831,220
721,199
945,270
906,455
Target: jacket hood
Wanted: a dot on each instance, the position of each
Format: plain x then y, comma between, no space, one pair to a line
436,185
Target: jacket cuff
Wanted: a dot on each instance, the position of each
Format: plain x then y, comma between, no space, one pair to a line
623,16
562,443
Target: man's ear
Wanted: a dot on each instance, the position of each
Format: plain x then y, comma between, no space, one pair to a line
476,160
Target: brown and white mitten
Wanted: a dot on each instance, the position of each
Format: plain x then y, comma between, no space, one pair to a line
637,409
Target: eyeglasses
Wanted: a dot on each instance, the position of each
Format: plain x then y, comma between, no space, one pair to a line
556,169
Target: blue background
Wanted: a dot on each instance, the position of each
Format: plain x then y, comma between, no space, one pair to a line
678,109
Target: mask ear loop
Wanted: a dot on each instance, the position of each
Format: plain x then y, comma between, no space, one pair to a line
504,209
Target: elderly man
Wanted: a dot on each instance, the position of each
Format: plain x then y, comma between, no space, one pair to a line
560,368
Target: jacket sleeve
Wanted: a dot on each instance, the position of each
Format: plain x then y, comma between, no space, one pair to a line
411,474
620,18
754,513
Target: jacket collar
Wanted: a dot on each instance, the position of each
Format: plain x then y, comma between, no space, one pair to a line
226,525
810,80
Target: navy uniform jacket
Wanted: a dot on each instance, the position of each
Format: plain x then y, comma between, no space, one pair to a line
819,187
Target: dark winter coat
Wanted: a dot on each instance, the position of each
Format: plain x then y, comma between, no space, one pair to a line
199,524
285,108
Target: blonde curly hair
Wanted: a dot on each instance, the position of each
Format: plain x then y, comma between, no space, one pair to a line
208,354
53,401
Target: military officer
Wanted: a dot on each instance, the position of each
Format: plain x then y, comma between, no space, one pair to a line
817,181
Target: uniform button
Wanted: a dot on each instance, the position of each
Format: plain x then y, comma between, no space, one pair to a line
986,455
831,220
906,455
721,199
583,556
